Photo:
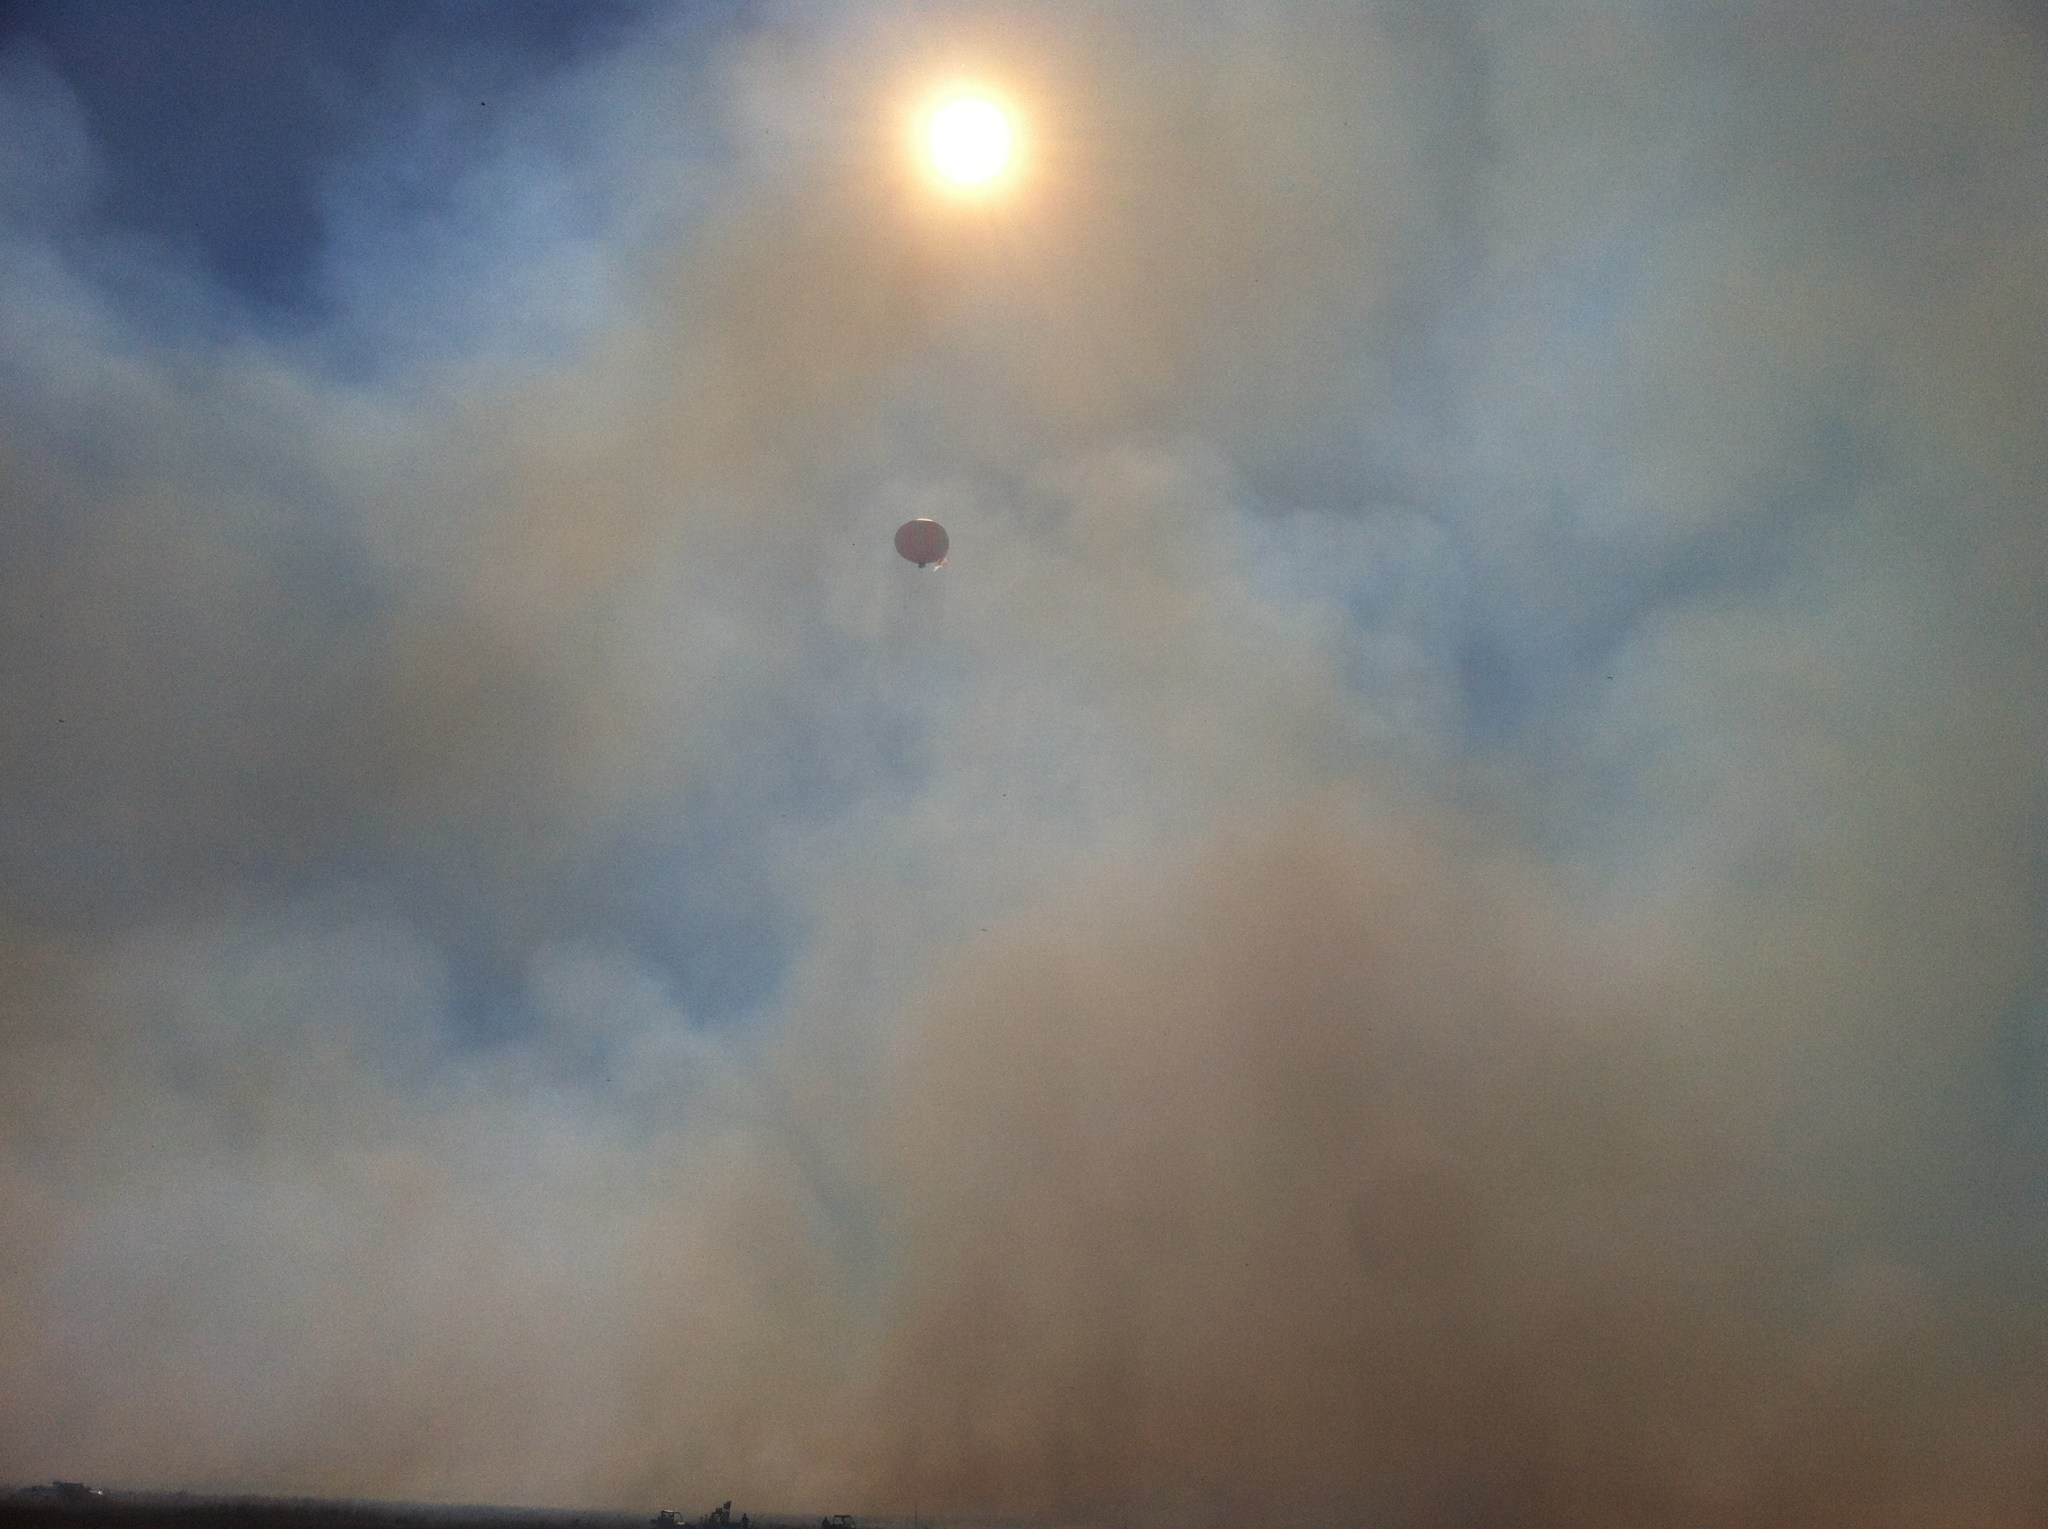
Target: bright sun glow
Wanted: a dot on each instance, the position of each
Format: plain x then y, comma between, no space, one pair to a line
969,140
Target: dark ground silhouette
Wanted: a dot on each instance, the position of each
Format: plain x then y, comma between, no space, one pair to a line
45,1509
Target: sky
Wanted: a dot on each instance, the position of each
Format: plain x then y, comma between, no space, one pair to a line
1439,918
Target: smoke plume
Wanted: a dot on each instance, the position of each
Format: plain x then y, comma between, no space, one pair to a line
1438,918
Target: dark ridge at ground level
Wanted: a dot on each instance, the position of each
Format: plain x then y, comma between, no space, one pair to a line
146,1510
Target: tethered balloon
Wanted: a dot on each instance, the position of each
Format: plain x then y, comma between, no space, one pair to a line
922,542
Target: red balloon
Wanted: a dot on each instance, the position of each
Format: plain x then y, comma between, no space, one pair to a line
922,542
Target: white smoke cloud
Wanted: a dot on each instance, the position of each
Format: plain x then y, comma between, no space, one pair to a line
1437,918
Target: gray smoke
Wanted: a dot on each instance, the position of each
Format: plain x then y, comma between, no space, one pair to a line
1437,920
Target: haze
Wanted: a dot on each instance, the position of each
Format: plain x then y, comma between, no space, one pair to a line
1437,919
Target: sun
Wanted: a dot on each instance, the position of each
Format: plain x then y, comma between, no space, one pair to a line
969,141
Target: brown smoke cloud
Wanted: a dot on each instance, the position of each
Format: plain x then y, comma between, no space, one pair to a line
1438,920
